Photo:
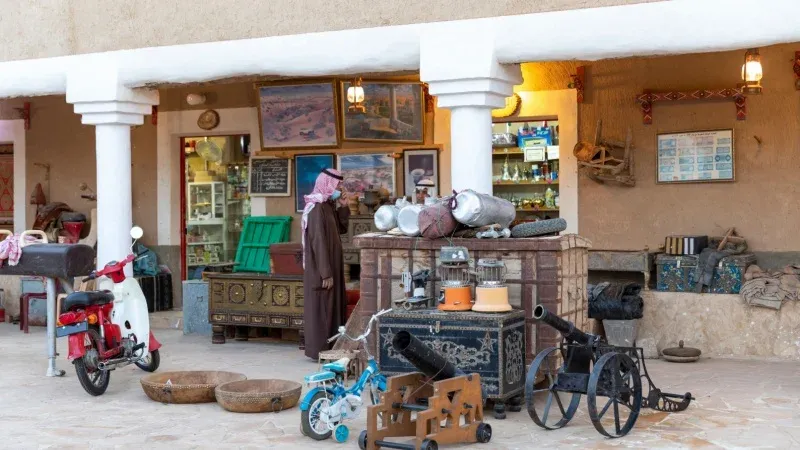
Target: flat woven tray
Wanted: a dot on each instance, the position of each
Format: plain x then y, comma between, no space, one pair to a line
257,396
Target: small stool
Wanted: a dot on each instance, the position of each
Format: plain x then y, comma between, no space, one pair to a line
24,307
354,368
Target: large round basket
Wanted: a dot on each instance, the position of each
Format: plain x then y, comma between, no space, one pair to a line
187,386
257,396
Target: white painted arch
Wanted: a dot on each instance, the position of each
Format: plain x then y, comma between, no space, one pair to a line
657,28
13,132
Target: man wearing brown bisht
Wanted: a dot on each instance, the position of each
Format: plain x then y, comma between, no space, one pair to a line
325,218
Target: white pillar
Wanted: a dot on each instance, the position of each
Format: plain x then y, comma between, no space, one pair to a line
463,73
112,108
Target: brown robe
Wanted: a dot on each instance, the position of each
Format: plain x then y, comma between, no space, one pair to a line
324,310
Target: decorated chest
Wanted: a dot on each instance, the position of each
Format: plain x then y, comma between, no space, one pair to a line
492,345
679,273
249,299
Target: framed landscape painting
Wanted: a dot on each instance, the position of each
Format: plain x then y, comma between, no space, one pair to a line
307,168
395,112
297,115
360,171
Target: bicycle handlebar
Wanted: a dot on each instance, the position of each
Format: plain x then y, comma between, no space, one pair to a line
366,333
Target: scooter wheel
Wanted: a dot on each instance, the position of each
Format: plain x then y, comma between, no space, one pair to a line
341,433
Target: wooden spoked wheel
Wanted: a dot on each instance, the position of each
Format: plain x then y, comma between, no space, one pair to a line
549,408
615,386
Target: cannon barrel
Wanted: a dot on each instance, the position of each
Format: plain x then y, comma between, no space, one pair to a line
427,360
565,327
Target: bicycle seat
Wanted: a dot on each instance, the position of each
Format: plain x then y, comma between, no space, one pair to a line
82,299
339,366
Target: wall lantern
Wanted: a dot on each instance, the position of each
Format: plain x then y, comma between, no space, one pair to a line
752,72
196,99
355,96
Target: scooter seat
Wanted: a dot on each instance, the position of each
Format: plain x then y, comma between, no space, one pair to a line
82,299
339,366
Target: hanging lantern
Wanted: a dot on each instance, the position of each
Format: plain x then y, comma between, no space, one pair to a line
355,96
752,72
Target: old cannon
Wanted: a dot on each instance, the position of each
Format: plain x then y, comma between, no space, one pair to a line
609,376
437,404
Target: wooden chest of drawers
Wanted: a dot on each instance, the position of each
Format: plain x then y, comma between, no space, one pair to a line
254,300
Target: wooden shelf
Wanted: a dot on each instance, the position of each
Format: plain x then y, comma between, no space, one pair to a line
524,183
516,151
538,210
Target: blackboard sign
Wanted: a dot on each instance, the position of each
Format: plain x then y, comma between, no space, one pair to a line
270,177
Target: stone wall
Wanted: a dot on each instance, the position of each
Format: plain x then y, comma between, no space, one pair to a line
721,325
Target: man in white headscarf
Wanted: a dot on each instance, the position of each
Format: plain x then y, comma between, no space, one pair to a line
325,218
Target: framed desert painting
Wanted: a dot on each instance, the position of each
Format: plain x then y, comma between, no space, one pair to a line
297,115
362,172
394,112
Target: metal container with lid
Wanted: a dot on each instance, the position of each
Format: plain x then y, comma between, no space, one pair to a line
408,220
386,217
681,353
478,210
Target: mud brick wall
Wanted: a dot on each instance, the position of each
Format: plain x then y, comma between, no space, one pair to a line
551,271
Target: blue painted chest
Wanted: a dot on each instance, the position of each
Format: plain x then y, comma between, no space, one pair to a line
490,344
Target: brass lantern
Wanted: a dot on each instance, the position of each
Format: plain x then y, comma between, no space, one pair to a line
752,72
355,96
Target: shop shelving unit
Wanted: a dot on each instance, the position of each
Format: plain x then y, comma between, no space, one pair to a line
207,209
527,188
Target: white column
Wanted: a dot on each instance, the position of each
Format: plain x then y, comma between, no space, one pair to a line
463,73
112,108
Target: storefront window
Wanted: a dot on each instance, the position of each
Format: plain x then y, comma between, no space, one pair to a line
216,200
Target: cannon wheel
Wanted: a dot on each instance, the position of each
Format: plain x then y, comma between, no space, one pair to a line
616,377
545,365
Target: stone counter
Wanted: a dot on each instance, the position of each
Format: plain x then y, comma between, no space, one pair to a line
721,325
551,271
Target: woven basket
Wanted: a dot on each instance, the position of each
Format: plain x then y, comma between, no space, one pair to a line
187,386
258,396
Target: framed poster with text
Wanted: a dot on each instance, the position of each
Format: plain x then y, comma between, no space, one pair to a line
696,156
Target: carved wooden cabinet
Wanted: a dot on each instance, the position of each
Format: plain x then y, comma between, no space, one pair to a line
254,300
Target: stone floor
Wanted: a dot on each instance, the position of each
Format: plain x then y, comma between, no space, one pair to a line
740,404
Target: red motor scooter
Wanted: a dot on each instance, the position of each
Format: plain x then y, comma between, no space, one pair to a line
110,328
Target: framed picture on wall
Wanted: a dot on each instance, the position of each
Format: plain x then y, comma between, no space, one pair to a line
307,168
421,165
695,157
297,115
365,171
395,112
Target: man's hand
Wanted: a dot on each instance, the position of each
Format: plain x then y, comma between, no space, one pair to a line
343,199
327,283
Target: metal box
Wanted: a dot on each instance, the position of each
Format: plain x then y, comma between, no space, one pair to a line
490,344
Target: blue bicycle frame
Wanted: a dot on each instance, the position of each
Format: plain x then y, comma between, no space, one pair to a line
326,381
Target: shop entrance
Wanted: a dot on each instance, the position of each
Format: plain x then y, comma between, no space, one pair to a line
214,201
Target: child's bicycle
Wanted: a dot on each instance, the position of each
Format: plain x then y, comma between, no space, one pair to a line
329,402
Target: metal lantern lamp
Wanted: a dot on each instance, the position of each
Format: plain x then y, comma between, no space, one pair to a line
491,294
456,291
752,72
355,96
